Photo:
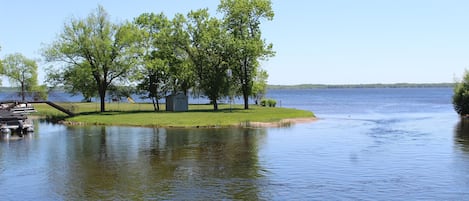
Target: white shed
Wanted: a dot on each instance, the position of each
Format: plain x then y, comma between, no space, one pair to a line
177,103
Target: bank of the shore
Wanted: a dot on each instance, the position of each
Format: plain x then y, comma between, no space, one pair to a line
198,116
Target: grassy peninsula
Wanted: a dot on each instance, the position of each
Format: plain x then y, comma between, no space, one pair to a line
142,114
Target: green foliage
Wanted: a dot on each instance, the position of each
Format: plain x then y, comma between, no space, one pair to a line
164,68
268,102
272,102
209,55
118,92
182,70
259,87
74,79
40,92
164,56
242,19
264,102
461,96
97,46
21,71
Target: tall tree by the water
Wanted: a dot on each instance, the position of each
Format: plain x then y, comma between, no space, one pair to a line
209,55
164,65
94,43
242,19
22,71
153,73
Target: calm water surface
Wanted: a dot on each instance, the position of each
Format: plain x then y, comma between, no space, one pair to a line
369,144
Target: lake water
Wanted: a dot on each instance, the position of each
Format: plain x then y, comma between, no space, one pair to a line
368,144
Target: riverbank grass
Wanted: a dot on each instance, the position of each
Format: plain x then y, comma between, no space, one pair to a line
126,114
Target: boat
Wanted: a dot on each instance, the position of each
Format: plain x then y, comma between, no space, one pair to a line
14,119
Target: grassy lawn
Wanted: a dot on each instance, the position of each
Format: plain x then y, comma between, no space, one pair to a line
143,115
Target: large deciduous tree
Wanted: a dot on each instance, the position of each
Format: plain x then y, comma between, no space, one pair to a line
209,55
98,46
181,68
242,19
165,65
153,75
21,71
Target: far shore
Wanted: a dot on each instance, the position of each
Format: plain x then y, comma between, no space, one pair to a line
377,85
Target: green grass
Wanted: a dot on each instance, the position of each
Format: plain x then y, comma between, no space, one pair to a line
197,116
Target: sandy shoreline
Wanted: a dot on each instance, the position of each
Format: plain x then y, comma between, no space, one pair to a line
281,123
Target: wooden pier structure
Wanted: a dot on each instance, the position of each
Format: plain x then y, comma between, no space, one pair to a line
58,107
12,104
14,119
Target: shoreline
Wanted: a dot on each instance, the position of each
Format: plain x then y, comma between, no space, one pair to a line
273,124
198,116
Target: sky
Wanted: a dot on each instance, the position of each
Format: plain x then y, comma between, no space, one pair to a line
316,41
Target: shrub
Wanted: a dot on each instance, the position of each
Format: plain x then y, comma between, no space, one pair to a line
268,102
461,96
264,102
272,102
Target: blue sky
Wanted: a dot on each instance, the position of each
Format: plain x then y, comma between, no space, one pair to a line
317,42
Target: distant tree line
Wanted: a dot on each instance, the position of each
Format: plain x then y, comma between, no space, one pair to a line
160,56
334,86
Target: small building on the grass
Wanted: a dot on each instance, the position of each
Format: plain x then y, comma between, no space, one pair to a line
177,102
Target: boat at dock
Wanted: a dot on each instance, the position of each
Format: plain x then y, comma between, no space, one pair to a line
14,119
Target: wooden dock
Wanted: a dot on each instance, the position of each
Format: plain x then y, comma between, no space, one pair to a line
14,119
58,107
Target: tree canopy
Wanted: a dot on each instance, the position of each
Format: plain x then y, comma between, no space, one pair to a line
209,54
242,19
164,64
97,46
259,86
74,79
21,71
162,56
461,96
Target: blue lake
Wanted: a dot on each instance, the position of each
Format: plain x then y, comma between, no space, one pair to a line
368,144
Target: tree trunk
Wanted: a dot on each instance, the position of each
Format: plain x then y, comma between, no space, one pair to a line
246,100
103,103
154,105
102,96
245,83
215,105
157,104
22,92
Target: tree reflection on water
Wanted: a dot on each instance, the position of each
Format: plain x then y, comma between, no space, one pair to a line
155,163
461,132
